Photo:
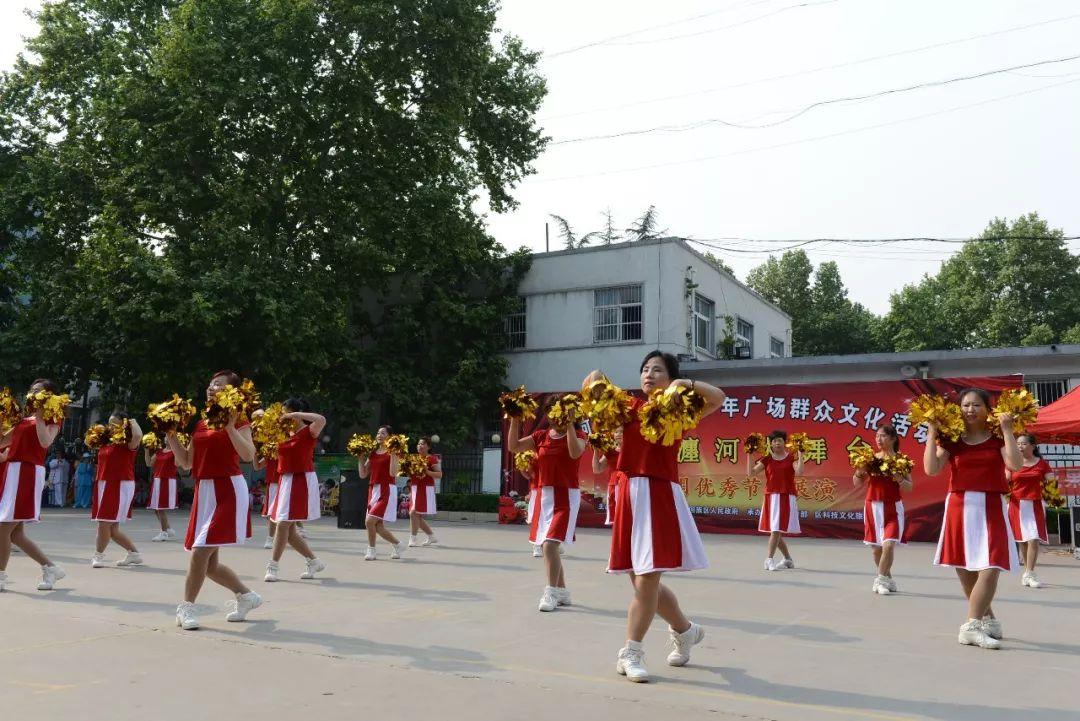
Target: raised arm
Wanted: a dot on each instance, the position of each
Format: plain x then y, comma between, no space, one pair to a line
934,456
1014,461
599,462
315,421
241,438
799,463
363,467
181,454
136,435
515,443
436,471
148,456
574,443
46,433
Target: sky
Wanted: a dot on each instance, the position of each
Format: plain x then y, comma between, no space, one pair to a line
936,162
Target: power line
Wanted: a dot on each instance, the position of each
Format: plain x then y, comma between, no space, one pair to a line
797,244
823,68
818,104
812,139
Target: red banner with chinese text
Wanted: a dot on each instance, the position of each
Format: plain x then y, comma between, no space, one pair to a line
836,417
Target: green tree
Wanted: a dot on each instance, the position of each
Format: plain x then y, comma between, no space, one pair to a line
719,263
646,227
281,187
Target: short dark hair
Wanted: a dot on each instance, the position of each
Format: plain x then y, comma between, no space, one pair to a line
119,413
232,377
890,431
671,363
388,428
778,434
977,391
1033,441
297,405
46,385
425,439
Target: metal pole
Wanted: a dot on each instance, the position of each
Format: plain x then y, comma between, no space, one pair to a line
547,238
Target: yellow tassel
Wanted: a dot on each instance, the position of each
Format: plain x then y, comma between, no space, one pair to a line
669,413
935,409
518,404
524,461
362,445
605,405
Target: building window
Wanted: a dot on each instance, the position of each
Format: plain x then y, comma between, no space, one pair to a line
744,339
514,326
704,323
1047,391
776,348
617,314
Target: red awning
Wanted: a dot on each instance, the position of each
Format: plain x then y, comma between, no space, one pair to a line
1059,422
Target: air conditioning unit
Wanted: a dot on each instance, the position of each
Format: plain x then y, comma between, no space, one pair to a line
742,351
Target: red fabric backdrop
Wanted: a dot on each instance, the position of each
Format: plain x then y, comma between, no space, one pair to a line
836,416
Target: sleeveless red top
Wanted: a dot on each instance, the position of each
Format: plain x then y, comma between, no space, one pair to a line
426,481
164,465
977,467
25,447
116,463
213,454
554,466
297,453
639,457
882,488
780,475
379,468
1026,484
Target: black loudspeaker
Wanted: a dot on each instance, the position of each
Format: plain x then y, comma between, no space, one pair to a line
352,501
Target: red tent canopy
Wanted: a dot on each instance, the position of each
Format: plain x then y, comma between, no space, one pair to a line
1060,421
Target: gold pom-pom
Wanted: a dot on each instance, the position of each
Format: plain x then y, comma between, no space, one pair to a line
756,444
862,458
48,406
184,439
10,411
170,415
412,465
565,410
1018,403
669,413
362,445
798,443
269,430
398,444
244,399
525,461
1052,494
120,433
152,441
935,409
518,404
605,405
898,466
96,435
602,441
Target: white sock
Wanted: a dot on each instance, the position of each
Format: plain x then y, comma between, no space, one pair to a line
634,646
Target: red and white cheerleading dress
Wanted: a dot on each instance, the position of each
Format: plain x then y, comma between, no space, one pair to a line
271,479
22,477
298,487
558,491
531,510
615,476
422,499
114,489
382,488
883,512
1027,512
219,511
780,506
164,494
975,533
653,529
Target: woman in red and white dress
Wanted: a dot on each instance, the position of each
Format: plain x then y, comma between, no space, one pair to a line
164,489
654,531
422,501
780,505
883,510
1027,512
603,463
382,468
558,499
530,508
219,508
976,538
297,498
22,478
268,462
114,494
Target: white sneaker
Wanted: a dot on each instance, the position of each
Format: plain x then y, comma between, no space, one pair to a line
881,586
369,555
271,572
397,549
770,565
683,642
162,536
631,663
268,543
3,581
245,604
786,563
431,540
550,600
993,628
131,559
49,576
314,565
973,633
562,595
1030,580
171,533
97,560
185,616
413,542
891,583
537,553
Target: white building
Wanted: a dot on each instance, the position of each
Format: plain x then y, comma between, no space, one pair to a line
607,306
